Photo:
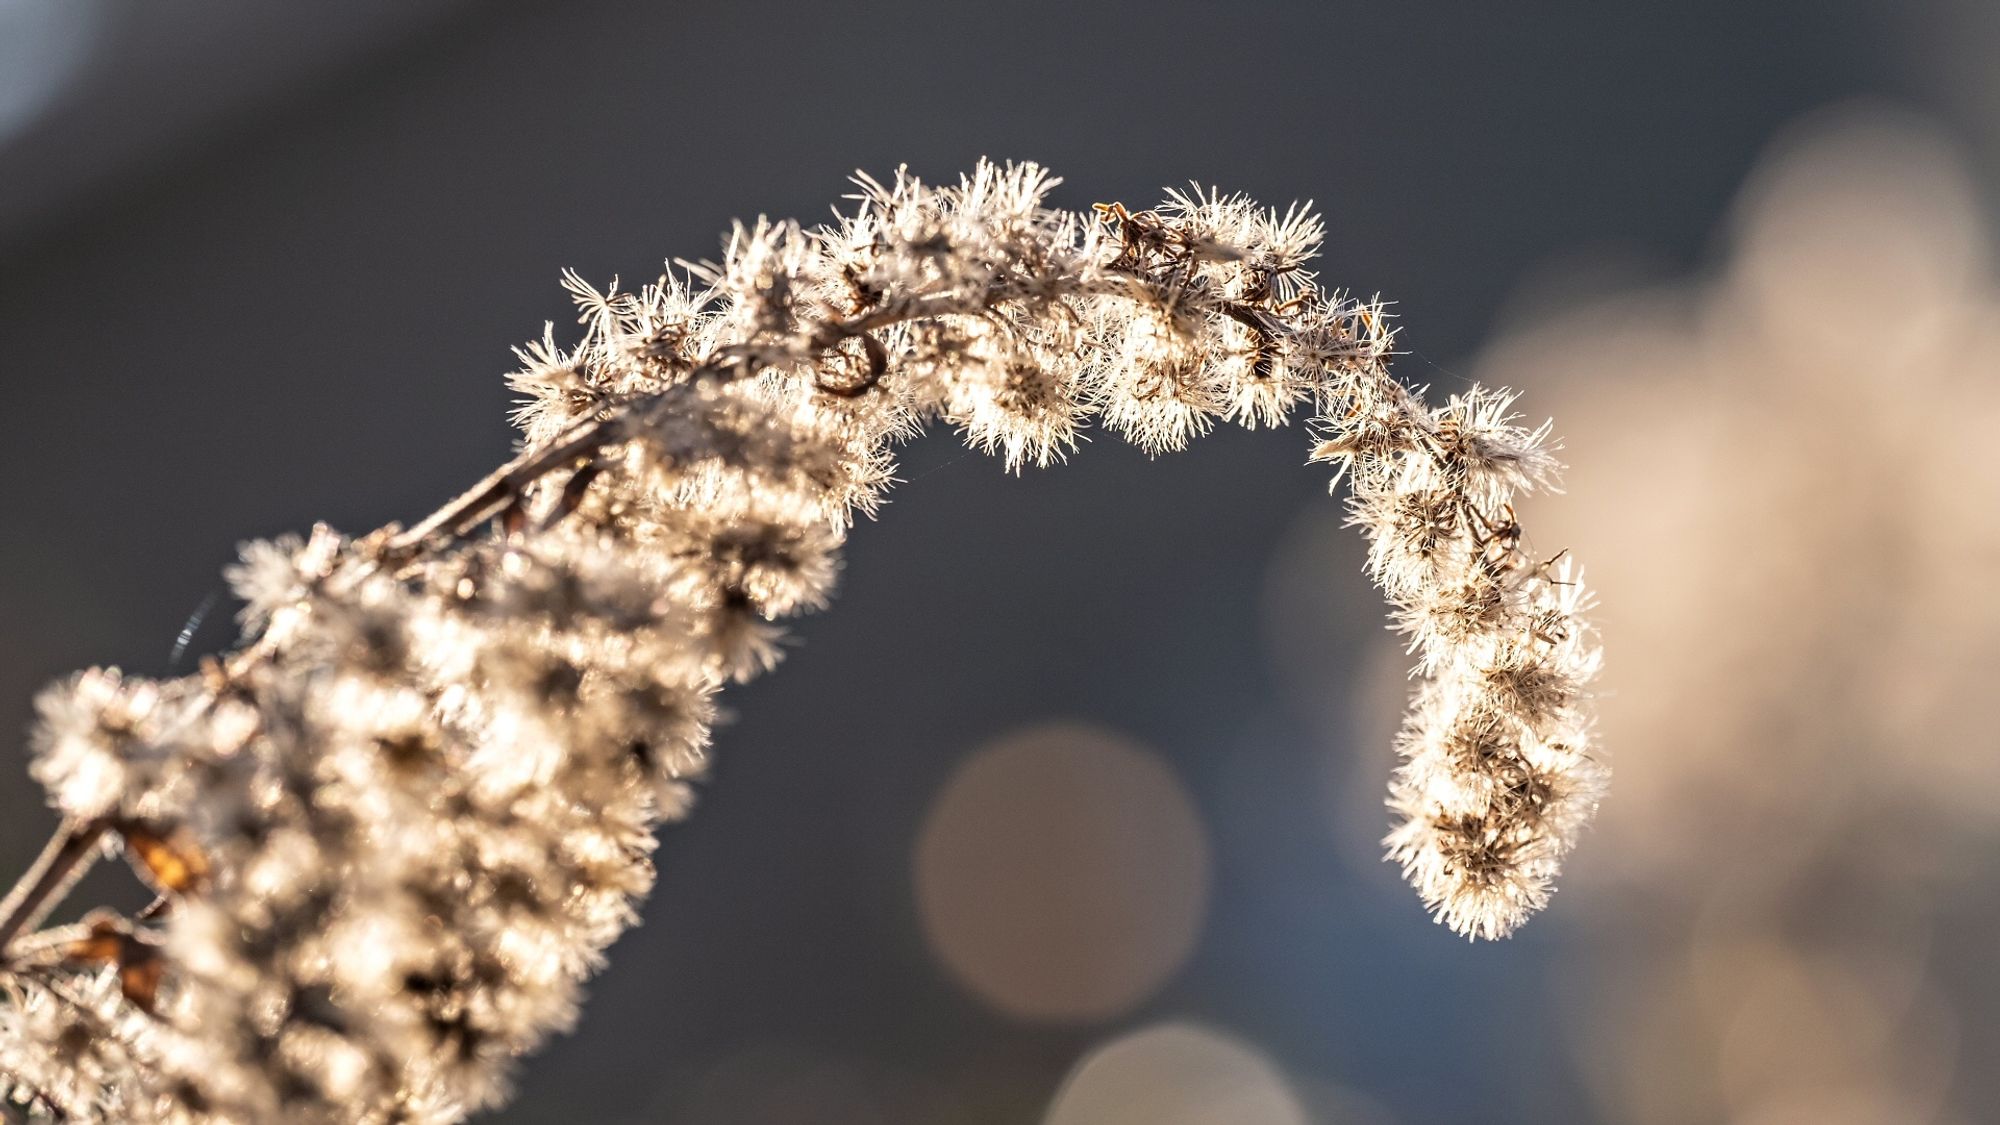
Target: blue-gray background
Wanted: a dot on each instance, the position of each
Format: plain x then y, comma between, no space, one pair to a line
260,266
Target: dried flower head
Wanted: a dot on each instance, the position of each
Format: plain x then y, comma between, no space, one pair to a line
395,831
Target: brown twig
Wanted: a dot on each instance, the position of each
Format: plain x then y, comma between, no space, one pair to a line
69,852
504,485
485,499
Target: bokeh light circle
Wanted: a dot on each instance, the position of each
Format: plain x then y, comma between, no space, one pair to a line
1175,1074
1062,874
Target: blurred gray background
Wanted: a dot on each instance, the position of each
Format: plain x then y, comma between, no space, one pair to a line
260,265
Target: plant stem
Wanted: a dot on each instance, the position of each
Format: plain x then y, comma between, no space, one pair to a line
69,853
462,516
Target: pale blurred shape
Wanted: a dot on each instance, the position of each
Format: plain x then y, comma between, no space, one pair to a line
1876,221
43,43
1785,483
1759,1026
1787,488
1062,874
1175,1074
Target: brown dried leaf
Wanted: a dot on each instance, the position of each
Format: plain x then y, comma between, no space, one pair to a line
171,863
110,940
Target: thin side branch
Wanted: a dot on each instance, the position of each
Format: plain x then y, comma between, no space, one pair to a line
480,502
69,853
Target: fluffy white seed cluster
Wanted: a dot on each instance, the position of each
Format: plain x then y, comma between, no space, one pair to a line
393,833
1498,776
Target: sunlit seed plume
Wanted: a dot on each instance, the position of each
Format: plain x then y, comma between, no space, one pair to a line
396,829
